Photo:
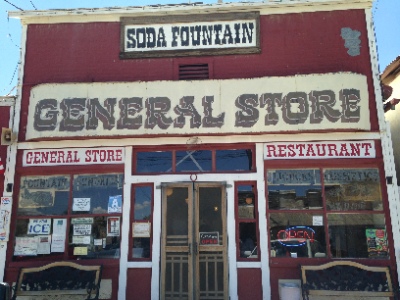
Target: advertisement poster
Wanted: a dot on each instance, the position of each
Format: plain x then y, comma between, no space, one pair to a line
115,204
39,226
376,242
113,226
5,213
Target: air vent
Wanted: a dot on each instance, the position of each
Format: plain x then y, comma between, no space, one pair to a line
193,72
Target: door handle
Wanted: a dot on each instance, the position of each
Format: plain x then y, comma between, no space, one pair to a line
190,249
196,248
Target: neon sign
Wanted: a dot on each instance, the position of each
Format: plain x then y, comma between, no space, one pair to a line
296,236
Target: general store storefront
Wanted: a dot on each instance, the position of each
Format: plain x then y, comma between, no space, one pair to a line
207,188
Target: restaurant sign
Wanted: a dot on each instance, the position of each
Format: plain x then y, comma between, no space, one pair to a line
190,35
320,150
73,156
311,102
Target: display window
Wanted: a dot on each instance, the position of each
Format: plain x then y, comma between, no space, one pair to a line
247,220
75,214
326,212
142,219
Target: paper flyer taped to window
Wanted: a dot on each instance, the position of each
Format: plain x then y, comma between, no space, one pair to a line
141,229
58,243
5,215
26,246
81,239
80,251
82,229
43,244
81,204
113,226
59,226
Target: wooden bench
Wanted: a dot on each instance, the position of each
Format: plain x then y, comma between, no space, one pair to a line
346,280
58,279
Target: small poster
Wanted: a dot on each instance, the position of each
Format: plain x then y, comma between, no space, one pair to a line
113,226
317,221
81,204
115,204
81,239
43,244
80,251
376,242
5,213
58,243
82,229
81,221
39,226
141,229
59,226
26,246
98,242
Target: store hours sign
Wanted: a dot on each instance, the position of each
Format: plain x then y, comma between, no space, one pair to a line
190,35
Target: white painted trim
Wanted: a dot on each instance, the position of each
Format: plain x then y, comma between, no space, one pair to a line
126,217
248,265
263,224
231,239
114,14
387,146
180,140
156,255
15,112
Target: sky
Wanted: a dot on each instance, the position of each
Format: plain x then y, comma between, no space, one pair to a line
386,22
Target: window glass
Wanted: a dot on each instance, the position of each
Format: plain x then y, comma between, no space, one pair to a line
297,235
97,194
352,189
154,162
44,195
142,203
97,237
248,240
193,160
294,189
234,160
358,235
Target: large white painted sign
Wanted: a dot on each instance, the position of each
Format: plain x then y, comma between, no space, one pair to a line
235,106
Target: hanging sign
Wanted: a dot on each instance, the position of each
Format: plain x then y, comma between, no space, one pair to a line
209,238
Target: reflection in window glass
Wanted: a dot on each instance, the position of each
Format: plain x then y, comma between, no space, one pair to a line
97,194
296,235
154,162
358,235
99,236
193,160
44,195
352,189
294,189
142,203
248,240
246,201
234,160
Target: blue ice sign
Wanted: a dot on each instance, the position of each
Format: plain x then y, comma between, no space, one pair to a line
39,226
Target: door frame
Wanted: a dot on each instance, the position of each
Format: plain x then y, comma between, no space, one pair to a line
193,236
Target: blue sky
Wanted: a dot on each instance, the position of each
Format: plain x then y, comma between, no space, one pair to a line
386,21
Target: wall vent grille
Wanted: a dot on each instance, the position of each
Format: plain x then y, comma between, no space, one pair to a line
193,72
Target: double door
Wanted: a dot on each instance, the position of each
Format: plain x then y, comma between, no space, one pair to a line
194,242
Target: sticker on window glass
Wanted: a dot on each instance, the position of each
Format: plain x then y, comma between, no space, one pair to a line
317,221
81,204
115,204
39,226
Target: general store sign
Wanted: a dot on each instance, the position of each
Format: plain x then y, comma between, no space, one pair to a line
73,156
189,35
236,106
322,149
